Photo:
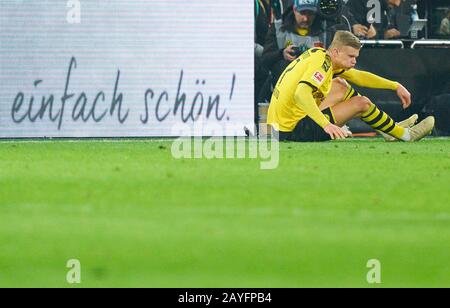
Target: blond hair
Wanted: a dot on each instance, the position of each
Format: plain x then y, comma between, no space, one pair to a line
345,38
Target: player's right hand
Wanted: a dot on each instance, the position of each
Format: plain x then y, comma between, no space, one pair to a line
287,53
335,132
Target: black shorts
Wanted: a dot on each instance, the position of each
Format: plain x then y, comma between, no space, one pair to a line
307,130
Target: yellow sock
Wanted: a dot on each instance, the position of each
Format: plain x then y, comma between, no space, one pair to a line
379,120
350,93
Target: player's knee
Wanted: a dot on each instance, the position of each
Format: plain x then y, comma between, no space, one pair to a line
363,103
340,85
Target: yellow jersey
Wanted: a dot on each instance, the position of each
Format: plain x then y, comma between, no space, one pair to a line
312,69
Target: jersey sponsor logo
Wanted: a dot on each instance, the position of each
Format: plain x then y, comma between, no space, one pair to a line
319,77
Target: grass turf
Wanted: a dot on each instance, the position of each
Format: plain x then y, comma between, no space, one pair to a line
136,217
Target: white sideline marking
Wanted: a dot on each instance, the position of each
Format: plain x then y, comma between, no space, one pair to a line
86,141
258,211
152,140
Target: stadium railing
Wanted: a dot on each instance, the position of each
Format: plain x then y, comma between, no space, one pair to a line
383,43
430,43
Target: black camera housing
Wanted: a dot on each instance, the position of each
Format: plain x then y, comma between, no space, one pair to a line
296,52
330,9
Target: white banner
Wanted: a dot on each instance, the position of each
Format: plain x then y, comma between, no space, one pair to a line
100,68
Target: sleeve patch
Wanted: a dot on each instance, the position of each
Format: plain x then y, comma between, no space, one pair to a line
318,77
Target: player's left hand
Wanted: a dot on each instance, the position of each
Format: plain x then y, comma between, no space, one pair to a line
404,96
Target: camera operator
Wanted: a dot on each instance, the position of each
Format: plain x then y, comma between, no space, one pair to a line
297,31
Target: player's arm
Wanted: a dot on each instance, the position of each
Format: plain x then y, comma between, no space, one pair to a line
305,100
369,80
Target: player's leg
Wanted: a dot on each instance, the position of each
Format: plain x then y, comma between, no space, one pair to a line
361,107
346,103
408,123
340,92
350,109
380,121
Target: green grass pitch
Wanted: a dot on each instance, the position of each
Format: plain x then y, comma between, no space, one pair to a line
136,217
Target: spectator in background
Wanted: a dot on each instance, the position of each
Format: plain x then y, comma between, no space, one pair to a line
279,7
389,28
262,23
445,25
289,37
344,21
368,29
263,18
361,27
